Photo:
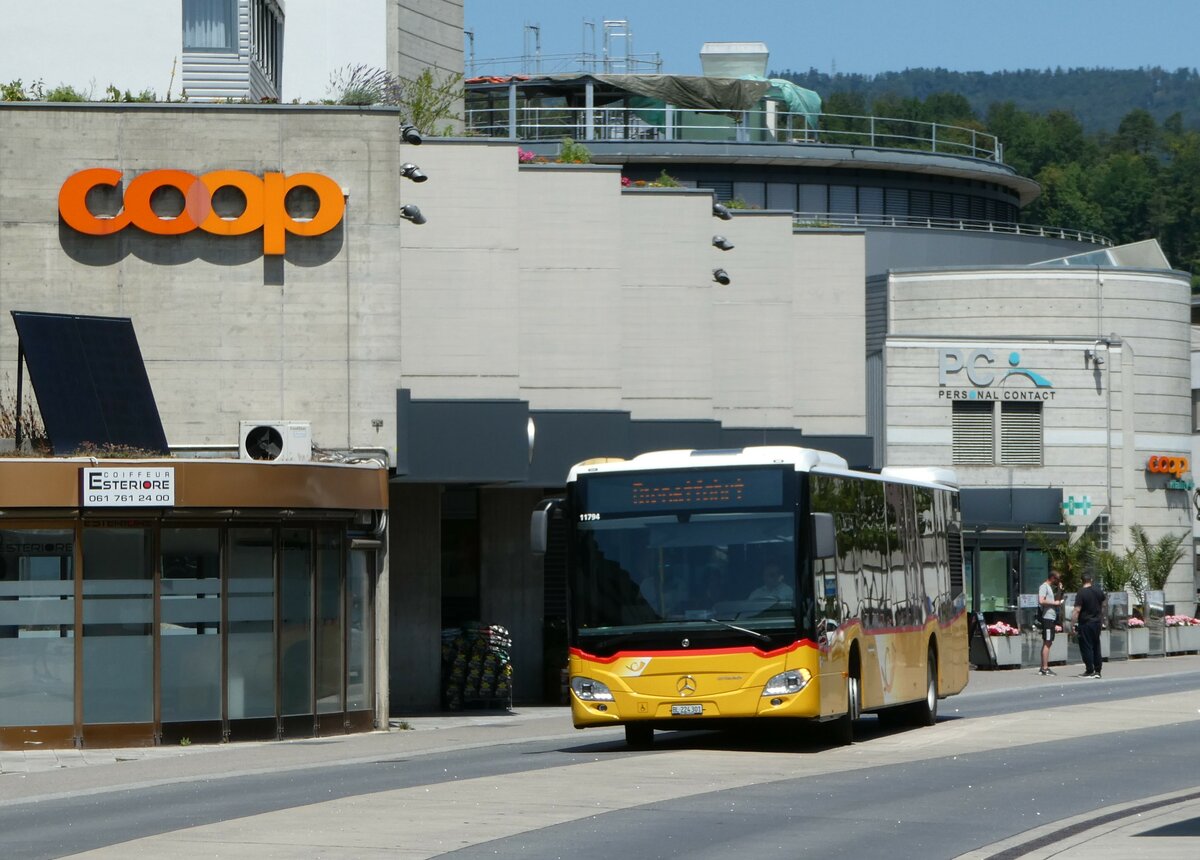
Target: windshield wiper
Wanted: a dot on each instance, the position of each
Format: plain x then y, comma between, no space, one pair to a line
761,637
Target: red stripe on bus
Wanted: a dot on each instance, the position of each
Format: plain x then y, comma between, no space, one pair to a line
690,652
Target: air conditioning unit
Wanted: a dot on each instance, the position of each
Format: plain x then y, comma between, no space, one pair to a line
275,441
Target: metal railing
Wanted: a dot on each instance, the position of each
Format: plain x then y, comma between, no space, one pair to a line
527,123
858,219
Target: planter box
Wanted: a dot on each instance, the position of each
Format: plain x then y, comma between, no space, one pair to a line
1180,640
1139,641
1058,649
1007,648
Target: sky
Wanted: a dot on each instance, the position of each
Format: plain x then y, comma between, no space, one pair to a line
853,36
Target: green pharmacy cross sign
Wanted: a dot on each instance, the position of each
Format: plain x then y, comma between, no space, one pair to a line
1082,506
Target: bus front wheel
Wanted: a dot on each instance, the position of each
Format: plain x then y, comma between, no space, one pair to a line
843,726
639,736
924,712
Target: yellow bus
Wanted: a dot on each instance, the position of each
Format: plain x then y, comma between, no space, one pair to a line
766,583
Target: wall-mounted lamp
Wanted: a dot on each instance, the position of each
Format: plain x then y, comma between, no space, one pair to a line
411,135
1093,354
411,213
721,211
722,243
411,171
721,277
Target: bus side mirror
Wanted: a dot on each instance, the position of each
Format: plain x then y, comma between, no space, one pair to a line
824,536
539,523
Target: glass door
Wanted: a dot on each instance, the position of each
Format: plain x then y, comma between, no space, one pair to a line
118,641
37,636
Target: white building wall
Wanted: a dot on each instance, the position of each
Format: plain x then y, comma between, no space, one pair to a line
130,44
322,38
1139,399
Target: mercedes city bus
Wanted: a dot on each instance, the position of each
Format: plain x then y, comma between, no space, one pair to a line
764,583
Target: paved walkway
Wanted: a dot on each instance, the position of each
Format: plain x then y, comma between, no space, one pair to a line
1114,832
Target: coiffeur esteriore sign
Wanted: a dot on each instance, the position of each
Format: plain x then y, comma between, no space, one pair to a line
264,195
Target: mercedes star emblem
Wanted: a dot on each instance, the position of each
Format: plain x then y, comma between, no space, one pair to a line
686,685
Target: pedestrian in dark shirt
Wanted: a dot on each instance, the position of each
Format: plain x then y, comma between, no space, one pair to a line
1089,609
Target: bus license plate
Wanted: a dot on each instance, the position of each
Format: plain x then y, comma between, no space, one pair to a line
686,710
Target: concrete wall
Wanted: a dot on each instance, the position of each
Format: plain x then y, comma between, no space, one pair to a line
1139,399
415,584
424,34
511,583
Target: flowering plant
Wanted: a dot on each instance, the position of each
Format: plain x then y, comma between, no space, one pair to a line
524,156
626,181
1000,628
1135,622
1181,621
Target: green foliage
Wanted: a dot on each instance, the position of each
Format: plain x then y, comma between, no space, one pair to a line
1098,97
571,152
427,101
737,203
113,94
1070,557
16,91
1156,559
1119,572
665,180
33,431
65,93
114,451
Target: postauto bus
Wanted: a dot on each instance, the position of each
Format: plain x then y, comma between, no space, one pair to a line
763,583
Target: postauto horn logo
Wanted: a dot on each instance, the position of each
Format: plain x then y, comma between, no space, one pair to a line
264,209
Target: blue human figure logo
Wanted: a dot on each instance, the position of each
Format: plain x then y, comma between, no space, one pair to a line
1014,359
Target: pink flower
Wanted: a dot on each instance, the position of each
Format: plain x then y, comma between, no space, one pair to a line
1135,622
626,181
1181,621
1000,628
524,156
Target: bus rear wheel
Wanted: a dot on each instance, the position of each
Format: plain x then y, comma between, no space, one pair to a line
639,736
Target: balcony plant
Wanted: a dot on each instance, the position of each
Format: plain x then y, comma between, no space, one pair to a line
1138,637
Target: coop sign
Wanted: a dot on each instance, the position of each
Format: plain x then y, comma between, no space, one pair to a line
1168,464
131,487
959,368
264,204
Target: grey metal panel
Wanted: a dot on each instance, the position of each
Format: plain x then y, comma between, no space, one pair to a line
461,441
667,435
920,248
745,437
1036,506
563,438
876,312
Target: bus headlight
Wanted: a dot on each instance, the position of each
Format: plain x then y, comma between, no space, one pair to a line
591,691
787,683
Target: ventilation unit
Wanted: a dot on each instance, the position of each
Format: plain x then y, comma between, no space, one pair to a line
278,441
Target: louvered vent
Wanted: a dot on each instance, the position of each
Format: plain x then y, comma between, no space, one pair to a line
1021,434
974,432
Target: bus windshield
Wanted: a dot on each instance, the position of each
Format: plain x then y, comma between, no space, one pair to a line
687,566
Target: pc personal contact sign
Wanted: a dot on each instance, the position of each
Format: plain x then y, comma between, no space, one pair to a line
264,208
129,487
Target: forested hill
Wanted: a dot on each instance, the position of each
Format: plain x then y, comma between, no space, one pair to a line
1099,98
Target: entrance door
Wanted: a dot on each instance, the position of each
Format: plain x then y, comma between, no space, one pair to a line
118,641
997,574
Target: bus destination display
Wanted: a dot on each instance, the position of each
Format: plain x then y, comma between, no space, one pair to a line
683,490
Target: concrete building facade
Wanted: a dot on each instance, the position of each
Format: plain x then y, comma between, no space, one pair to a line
1049,377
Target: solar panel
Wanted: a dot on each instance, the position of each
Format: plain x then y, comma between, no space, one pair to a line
90,381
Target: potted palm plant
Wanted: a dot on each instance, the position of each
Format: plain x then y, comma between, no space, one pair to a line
1118,576
1154,561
